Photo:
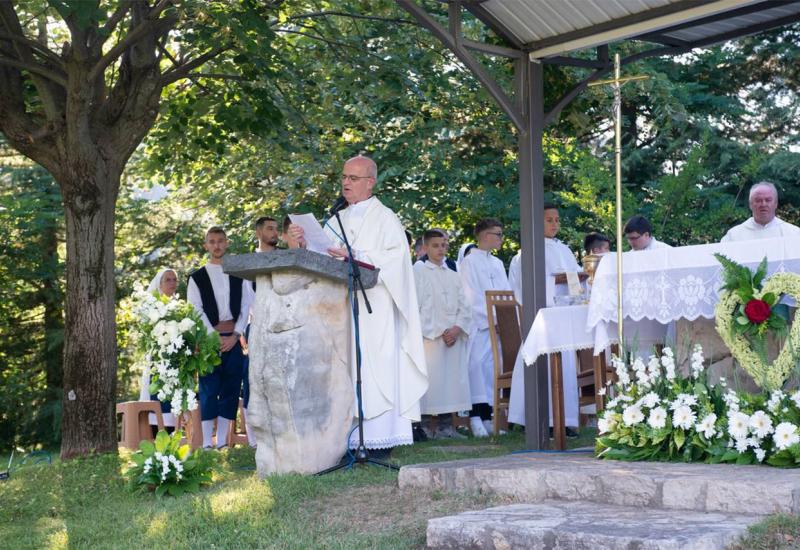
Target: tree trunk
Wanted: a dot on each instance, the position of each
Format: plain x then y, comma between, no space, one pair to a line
90,350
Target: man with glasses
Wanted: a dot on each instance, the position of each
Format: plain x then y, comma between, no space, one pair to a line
393,359
639,234
481,271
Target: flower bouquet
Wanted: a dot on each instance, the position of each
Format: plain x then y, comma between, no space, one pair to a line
175,346
658,414
167,467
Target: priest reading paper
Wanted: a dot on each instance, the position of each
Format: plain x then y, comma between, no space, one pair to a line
393,360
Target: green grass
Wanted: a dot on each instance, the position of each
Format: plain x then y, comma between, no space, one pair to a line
86,503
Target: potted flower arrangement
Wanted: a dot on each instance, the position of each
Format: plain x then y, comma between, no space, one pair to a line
658,414
167,467
175,346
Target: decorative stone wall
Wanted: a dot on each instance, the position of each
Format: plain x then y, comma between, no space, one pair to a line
301,391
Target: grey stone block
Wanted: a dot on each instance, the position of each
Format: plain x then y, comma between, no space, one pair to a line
581,477
250,266
582,525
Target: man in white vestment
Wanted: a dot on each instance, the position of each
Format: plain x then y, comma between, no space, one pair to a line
558,258
480,271
393,360
639,234
445,317
763,224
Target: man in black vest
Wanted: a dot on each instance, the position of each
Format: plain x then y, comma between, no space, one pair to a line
223,302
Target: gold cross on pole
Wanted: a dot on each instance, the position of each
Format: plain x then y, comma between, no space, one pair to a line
617,83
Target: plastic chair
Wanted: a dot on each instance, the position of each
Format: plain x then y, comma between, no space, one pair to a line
135,425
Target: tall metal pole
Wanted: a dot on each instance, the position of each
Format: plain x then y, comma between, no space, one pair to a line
618,161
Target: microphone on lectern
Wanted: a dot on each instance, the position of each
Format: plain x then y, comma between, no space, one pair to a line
340,204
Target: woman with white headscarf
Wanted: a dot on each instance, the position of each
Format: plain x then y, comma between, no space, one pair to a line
463,251
165,283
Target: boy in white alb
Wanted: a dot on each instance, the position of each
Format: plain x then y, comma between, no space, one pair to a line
445,318
480,271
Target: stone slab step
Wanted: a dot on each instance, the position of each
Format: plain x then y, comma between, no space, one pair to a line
533,477
586,526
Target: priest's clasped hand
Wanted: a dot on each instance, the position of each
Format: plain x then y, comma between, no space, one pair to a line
451,335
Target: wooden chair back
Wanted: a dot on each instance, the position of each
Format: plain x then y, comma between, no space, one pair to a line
505,323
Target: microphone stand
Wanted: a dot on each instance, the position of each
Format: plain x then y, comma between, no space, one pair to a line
361,455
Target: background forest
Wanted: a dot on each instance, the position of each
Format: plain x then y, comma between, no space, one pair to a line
331,80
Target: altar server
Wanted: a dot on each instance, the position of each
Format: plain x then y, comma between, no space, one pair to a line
596,243
558,258
481,271
763,224
223,302
393,359
639,234
445,316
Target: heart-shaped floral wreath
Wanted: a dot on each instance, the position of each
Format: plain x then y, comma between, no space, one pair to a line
769,376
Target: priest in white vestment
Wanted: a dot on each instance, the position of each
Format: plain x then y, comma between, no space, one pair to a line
763,224
445,316
558,258
393,360
481,271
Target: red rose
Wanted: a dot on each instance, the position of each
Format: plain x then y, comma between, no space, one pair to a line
757,311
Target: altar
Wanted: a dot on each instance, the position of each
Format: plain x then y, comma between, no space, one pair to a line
669,296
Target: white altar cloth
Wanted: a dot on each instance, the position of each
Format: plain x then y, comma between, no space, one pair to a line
678,283
564,328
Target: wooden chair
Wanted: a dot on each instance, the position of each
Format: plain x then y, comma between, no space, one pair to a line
505,316
135,424
237,435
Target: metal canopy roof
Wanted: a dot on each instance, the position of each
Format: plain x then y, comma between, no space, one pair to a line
551,28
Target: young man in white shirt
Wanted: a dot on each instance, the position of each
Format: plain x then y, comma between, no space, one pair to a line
639,234
223,302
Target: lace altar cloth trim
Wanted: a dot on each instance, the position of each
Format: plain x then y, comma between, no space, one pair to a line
679,283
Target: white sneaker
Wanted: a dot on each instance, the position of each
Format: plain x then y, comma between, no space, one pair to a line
477,427
448,432
487,425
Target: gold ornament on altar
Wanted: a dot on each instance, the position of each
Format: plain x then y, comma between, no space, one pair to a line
590,262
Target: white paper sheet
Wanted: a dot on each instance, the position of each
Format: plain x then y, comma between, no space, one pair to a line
316,239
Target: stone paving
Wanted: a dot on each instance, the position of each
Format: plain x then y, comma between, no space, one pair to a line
576,501
585,525
577,476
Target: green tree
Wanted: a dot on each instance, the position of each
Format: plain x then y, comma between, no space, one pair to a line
78,100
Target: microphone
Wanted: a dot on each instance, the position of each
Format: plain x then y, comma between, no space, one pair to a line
339,204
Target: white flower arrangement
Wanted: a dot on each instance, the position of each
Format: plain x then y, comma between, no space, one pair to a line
668,416
174,346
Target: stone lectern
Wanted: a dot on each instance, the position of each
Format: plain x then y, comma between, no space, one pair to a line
301,388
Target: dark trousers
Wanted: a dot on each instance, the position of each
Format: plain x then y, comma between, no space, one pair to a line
246,372
219,391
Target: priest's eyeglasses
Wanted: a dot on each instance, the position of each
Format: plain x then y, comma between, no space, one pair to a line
352,179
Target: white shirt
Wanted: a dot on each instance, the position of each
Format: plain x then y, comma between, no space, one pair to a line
655,244
480,271
751,229
442,303
558,258
220,282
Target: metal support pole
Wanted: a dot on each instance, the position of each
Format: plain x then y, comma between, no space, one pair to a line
531,204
